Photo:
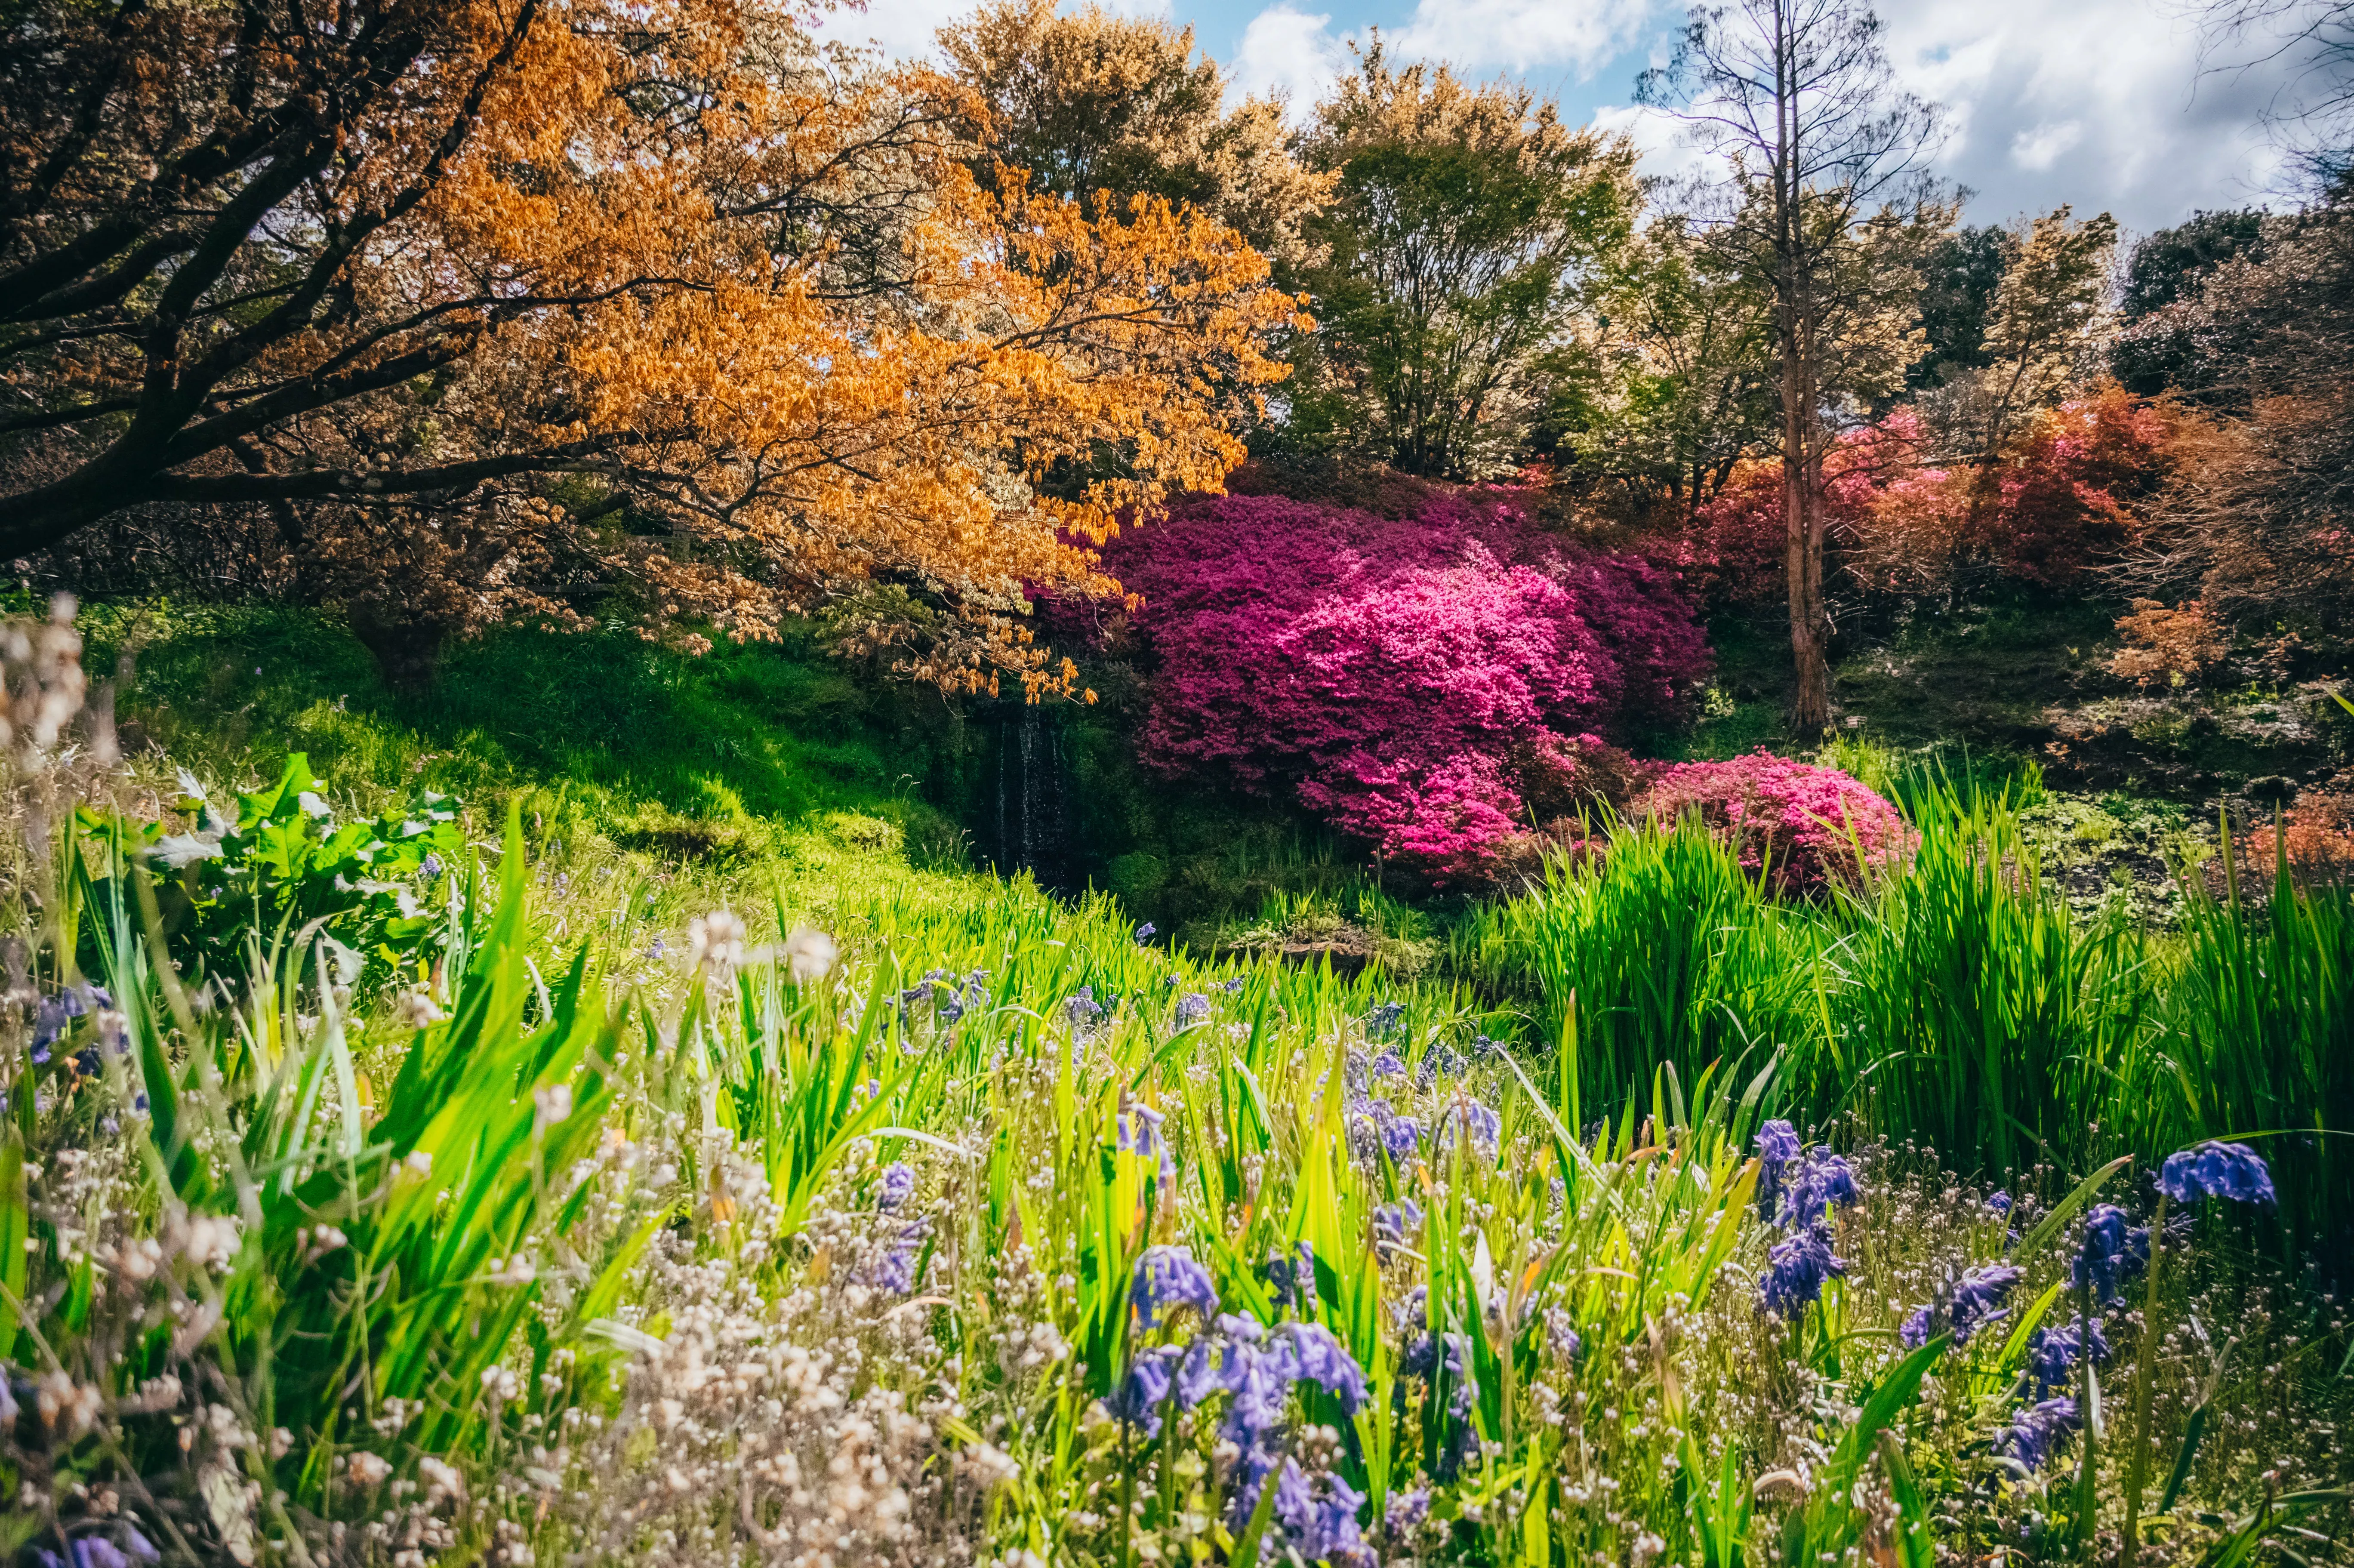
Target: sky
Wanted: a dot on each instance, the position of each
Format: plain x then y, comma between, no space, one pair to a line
2106,105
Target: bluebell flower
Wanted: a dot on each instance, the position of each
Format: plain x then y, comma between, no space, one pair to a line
1467,1117
1402,1136
1259,1384
1202,1373
1777,1146
1392,1223
1191,1008
1322,1527
1383,1020
2036,1433
1142,1394
1168,1276
898,1184
138,1546
1315,1356
1796,1268
1291,1279
1233,986
1144,932
1081,1007
2216,1170
893,1273
97,1552
1138,1132
1821,1181
1403,1511
2114,1250
86,1062
1999,1205
1388,1065
2053,1354
1977,1299
431,867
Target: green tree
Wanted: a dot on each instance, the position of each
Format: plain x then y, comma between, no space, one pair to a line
1468,225
1827,204
1672,381
2155,352
2048,316
1089,101
1956,298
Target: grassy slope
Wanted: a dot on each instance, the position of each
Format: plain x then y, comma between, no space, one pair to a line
749,768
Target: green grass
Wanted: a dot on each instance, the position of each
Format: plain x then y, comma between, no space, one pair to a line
761,765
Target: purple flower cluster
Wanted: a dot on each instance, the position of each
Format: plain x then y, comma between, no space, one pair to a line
1291,1279
1821,1181
57,1013
2113,1251
893,1273
1320,1516
2053,1354
1257,1371
1796,1269
1466,1118
1977,1299
2036,1433
1392,1223
99,1552
1167,1276
1139,1133
2215,1170
1191,1009
1777,1147
898,1185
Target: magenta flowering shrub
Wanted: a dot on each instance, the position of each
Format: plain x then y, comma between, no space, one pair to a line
1413,680
1806,826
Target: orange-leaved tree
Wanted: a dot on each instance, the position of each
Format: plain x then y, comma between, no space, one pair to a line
543,306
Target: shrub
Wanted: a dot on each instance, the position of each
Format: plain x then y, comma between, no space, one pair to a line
2063,501
1804,827
1736,546
2165,645
1413,679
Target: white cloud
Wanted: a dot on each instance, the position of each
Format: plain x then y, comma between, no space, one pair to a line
907,29
1522,35
2039,146
1290,53
2099,103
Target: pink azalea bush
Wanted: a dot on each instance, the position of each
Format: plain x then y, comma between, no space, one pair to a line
1805,826
1423,683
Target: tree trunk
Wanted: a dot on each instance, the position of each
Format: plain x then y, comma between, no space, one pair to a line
1810,684
407,653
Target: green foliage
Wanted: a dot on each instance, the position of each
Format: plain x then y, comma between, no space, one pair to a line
1459,238
283,871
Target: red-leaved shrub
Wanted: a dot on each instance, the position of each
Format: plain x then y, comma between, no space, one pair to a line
1735,549
1415,680
1805,826
2061,502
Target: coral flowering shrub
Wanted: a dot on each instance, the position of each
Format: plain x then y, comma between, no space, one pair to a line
1804,826
1403,676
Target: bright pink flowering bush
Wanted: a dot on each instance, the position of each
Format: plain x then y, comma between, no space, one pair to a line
1806,826
1412,679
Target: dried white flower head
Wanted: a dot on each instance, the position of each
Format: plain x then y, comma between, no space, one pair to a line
716,941
552,1103
418,1009
809,954
369,1469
